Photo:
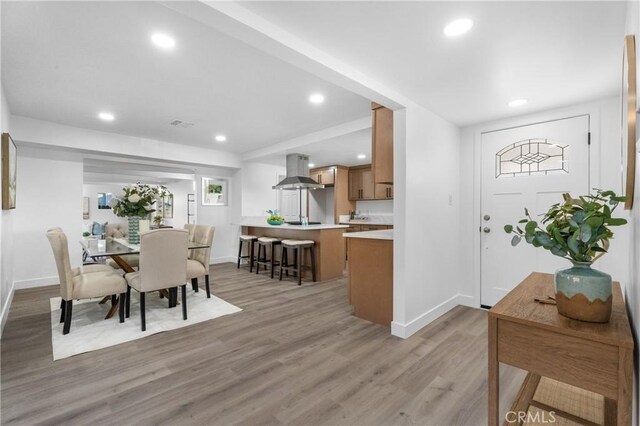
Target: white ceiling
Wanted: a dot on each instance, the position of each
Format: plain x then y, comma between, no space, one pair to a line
342,150
553,53
66,61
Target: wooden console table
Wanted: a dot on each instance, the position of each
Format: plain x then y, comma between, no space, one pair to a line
534,337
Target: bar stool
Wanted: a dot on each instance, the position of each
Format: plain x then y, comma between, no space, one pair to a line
263,243
298,247
249,239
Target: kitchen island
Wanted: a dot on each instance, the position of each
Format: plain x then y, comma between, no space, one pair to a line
370,265
329,246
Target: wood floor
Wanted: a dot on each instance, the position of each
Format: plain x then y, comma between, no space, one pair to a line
295,355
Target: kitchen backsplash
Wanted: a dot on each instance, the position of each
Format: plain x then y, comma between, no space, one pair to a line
376,207
374,219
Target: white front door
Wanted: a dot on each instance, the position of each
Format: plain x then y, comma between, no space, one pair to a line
528,166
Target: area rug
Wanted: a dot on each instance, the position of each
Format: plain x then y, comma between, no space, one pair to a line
90,331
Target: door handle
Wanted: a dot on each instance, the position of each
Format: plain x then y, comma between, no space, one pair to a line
486,229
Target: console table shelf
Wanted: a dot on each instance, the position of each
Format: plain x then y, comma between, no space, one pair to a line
534,337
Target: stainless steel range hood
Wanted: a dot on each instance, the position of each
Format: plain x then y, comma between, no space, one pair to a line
298,174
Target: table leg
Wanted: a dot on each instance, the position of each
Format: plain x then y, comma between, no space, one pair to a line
494,373
625,386
126,268
610,412
113,308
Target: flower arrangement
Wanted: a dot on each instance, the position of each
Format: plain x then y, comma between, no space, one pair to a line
136,200
577,230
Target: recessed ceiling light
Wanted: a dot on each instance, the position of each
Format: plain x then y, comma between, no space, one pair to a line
164,41
458,27
221,138
311,165
316,98
361,156
106,116
517,102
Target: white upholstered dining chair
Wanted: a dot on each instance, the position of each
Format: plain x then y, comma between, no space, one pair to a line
120,230
198,263
163,265
84,282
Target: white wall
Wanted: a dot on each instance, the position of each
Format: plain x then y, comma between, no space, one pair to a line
49,193
321,205
224,218
426,237
6,230
180,191
257,192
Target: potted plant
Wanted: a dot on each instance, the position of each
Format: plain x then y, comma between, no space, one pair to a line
274,218
134,202
157,219
577,230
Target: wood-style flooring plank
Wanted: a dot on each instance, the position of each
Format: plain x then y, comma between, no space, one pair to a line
293,356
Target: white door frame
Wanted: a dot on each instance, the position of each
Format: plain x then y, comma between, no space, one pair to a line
591,109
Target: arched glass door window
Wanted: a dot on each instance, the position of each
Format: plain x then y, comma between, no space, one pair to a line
531,157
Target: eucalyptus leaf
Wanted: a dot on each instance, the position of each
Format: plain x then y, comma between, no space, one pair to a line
585,232
530,226
577,229
572,242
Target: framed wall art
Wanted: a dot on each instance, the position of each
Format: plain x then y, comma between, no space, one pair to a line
9,172
214,191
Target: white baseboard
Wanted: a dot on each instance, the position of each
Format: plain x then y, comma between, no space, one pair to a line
36,282
407,330
467,300
6,307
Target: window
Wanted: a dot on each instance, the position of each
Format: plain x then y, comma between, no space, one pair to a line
531,156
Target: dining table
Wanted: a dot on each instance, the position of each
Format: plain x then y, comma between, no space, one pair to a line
116,248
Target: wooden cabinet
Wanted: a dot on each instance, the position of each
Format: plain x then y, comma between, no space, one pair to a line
382,145
325,176
361,185
384,192
336,177
375,181
370,284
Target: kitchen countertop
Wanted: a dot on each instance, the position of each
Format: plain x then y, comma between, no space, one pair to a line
257,224
385,234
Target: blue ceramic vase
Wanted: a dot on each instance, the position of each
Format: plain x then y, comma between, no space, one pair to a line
583,293
134,230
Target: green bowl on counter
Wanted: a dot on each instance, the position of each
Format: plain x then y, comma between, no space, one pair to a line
275,222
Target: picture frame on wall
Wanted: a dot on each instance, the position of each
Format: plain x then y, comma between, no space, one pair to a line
215,191
9,172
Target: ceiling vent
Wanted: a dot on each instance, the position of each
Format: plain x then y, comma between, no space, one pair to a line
180,123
